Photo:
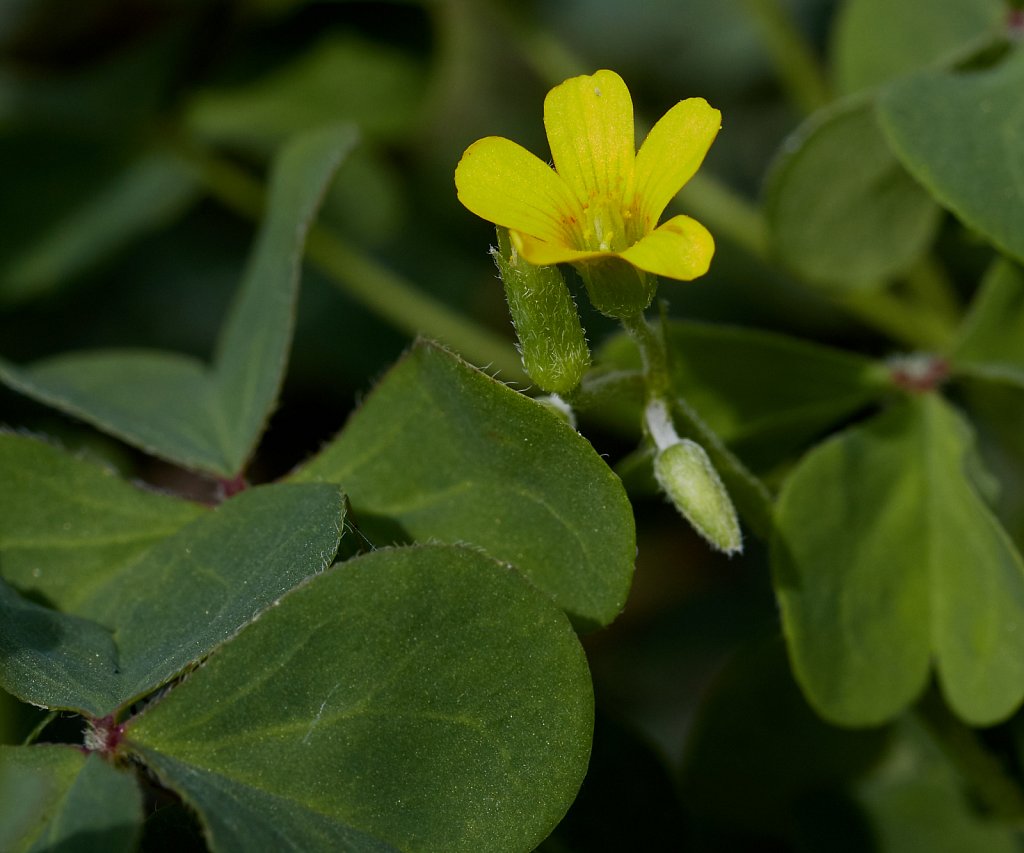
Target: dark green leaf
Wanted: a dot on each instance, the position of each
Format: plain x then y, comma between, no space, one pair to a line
173,406
169,608
161,403
876,40
426,696
443,452
254,343
886,558
53,659
69,525
243,817
958,133
991,341
54,798
845,221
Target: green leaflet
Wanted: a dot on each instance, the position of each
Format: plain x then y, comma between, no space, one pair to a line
876,41
885,559
182,598
69,525
175,407
55,660
961,134
846,222
426,696
990,344
54,798
440,451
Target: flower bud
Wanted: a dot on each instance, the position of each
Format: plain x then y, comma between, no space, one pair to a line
686,475
551,339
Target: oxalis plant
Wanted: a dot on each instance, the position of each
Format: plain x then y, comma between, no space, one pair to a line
382,649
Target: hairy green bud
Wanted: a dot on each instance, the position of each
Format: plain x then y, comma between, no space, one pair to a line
551,339
686,475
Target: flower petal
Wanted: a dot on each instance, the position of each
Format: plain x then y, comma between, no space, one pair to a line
504,183
672,153
542,253
680,248
589,122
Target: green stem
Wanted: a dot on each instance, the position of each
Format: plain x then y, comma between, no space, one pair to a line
984,773
30,738
795,61
392,297
653,355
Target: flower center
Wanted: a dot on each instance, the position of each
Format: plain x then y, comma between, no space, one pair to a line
607,226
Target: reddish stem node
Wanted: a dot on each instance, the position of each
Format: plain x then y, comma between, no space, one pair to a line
104,735
228,487
918,372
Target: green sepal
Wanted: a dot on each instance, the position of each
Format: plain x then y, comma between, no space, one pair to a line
616,288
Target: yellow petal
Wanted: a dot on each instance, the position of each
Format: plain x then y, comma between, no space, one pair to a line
589,122
542,253
504,183
680,248
672,153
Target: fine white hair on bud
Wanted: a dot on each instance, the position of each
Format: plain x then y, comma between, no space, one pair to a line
688,478
551,338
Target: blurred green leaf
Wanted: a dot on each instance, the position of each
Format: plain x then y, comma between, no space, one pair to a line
70,204
875,41
766,395
959,134
915,801
172,606
173,406
758,755
991,343
342,78
441,452
997,408
54,798
426,696
885,557
842,211
69,525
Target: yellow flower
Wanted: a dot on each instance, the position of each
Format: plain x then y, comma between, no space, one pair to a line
602,201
